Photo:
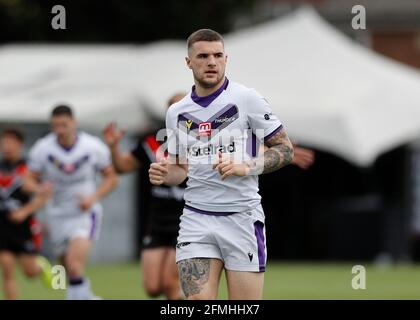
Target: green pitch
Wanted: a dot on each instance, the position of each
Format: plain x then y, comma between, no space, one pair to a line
282,281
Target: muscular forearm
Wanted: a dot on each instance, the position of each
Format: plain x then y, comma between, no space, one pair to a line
31,207
277,153
123,163
107,185
176,175
36,203
277,157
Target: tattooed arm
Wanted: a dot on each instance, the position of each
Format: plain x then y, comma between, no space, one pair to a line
278,153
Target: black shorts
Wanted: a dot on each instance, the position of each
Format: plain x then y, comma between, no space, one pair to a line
17,244
18,238
157,239
162,228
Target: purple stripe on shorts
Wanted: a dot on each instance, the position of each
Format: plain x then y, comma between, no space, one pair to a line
273,133
211,213
93,228
259,234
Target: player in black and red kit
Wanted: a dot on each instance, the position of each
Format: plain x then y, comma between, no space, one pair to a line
161,204
19,237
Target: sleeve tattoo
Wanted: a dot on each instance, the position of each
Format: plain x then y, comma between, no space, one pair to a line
193,274
279,154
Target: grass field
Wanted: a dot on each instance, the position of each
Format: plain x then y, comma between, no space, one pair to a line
282,281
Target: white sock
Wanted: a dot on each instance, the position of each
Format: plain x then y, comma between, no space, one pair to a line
79,289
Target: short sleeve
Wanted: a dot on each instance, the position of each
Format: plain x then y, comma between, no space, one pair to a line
103,155
263,122
36,158
172,133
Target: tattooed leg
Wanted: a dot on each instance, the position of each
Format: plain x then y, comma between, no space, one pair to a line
199,277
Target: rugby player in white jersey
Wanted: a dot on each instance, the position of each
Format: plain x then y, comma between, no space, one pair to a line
70,160
222,135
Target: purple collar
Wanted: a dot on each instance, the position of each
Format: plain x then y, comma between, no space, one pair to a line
206,100
69,148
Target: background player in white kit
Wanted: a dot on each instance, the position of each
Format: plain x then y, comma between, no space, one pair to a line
222,225
70,160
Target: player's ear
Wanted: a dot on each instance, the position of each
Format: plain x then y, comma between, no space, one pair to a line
188,62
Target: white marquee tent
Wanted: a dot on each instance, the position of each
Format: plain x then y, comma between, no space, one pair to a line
330,92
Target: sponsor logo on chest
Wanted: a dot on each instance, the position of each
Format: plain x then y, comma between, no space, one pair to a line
204,129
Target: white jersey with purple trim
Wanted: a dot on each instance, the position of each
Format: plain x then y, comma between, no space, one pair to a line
72,171
233,120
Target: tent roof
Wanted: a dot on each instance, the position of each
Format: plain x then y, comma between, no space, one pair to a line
330,92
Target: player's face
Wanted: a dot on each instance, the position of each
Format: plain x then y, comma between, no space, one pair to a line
10,147
207,60
63,126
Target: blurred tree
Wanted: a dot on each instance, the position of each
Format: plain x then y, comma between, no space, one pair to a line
117,21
